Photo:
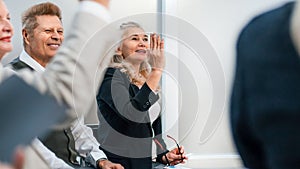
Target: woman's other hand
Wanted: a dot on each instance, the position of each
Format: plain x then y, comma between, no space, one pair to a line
175,156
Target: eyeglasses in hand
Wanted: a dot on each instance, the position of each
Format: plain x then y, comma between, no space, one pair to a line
177,146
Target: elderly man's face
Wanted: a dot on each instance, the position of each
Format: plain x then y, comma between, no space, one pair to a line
46,39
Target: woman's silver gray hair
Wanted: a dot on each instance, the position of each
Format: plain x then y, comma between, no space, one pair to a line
130,24
118,61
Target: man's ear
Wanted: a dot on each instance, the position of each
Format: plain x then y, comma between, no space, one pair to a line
25,35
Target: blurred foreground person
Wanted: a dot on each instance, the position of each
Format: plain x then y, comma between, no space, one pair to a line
59,80
265,103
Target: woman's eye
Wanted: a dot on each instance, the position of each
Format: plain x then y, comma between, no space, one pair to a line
146,39
134,39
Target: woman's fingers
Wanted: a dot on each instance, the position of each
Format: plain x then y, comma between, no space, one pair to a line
158,42
174,155
151,41
181,149
154,41
162,44
156,53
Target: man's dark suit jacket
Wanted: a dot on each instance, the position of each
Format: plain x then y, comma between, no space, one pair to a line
125,132
265,103
17,64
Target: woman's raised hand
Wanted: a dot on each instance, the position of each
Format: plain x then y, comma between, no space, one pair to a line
156,52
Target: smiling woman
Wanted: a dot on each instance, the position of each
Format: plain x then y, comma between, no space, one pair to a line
132,53
6,30
127,99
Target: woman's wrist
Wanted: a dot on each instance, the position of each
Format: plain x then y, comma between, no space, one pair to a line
161,158
165,159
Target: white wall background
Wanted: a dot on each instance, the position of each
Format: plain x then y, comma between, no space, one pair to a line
220,22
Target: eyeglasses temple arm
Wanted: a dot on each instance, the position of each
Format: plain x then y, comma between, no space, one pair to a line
177,146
